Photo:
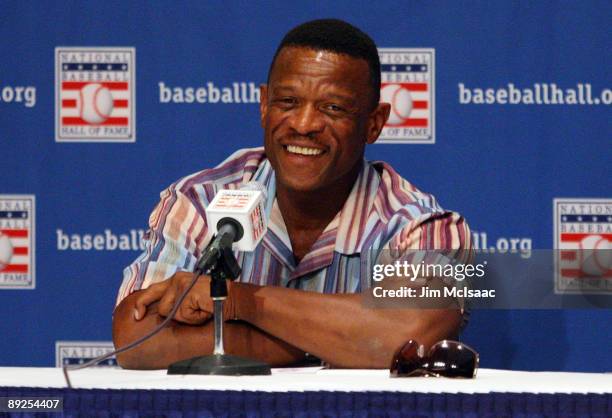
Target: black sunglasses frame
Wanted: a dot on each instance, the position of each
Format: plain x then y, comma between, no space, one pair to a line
446,358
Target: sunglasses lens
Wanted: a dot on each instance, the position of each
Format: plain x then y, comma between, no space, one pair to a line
407,361
453,359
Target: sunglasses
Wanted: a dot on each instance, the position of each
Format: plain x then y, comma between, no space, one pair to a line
446,358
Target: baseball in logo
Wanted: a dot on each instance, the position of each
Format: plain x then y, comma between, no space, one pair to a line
95,103
17,242
95,94
407,83
583,239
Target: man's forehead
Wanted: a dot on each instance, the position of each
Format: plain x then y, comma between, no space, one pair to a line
296,60
318,54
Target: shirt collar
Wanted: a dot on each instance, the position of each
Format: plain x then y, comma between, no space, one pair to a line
354,216
344,234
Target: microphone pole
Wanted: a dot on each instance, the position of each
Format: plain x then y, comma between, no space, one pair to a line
219,261
222,265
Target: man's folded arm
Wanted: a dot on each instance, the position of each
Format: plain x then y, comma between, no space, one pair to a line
338,328
178,341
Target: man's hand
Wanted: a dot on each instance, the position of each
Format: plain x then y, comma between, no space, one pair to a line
197,308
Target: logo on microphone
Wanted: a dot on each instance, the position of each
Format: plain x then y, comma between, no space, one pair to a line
17,243
408,84
257,219
95,94
70,353
233,200
583,239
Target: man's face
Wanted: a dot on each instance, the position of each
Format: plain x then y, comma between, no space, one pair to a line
317,116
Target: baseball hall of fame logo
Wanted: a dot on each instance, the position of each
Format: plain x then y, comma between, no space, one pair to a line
408,84
17,244
583,240
70,353
95,94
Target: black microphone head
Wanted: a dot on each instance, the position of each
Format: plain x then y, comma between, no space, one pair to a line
239,231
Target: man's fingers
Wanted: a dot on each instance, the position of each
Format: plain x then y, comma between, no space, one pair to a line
166,303
147,296
192,310
192,315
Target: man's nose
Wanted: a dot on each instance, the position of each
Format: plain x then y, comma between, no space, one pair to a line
307,120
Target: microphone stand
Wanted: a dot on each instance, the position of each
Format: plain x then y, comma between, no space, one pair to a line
224,266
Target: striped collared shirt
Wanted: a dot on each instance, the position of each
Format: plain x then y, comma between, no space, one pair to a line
382,211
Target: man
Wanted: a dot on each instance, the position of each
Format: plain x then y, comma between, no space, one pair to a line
330,213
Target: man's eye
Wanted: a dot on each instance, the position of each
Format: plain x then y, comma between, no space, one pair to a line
335,108
286,100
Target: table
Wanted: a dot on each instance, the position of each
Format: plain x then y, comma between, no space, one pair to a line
312,392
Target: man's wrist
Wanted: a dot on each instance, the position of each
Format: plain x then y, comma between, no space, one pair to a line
241,295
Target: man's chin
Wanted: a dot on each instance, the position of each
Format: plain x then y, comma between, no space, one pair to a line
299,185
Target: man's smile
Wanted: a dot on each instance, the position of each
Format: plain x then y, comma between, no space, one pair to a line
296,149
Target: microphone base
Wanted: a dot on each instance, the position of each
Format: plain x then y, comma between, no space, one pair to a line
220,364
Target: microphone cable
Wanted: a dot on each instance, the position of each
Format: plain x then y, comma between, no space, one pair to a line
157,329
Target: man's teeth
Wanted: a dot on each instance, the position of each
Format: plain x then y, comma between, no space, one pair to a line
303,150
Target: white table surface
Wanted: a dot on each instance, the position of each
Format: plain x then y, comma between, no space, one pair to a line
313,379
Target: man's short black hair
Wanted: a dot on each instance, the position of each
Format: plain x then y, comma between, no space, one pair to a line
337,36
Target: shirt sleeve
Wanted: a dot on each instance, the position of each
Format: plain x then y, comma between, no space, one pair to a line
176,236
446,231
438,238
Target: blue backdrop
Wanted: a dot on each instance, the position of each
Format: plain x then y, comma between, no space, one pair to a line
476,127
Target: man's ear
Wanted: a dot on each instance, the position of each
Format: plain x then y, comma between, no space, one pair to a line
263,103
376,121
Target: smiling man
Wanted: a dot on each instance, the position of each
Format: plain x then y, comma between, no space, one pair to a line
330,214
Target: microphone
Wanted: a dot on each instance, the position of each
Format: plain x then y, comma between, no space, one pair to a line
238,221
237,218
